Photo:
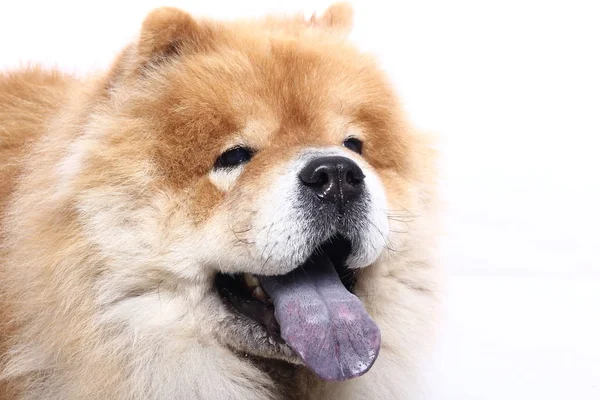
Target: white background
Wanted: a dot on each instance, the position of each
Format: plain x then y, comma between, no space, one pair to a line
512,88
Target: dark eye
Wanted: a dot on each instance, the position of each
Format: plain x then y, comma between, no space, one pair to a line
234,157
354,145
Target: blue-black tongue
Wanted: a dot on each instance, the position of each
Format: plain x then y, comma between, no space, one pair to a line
325,324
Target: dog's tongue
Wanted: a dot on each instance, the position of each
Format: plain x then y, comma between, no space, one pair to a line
324,323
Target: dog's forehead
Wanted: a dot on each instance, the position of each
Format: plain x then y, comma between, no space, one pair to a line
270,95
280,91
291,86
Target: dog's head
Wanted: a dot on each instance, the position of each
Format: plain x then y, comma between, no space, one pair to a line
245,171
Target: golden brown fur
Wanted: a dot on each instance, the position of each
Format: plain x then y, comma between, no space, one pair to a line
106,173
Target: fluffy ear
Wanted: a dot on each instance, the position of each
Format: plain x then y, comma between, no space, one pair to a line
166,32
338,17
169,32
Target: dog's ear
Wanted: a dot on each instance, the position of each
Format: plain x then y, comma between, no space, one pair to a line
168,32
338,17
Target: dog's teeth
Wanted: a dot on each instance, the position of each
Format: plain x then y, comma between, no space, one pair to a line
251,281
256,291
259,293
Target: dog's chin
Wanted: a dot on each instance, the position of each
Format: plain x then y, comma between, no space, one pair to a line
249,327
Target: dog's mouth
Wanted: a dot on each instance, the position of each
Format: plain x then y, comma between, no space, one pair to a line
312,310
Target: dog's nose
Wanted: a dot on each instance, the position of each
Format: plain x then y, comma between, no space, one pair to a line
334,179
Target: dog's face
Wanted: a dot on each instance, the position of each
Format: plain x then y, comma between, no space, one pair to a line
226,155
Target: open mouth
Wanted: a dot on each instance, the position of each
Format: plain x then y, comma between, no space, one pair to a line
312,310
245,293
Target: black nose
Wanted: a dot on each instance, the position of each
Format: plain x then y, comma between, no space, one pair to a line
334,179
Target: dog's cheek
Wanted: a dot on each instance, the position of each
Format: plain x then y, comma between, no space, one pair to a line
202,199
405,213
258,207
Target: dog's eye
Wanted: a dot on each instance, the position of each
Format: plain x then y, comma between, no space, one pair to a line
234,157
354,145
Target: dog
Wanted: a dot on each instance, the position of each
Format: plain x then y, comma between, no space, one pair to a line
234,210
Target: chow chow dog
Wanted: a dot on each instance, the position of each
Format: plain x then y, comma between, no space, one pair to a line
234,210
